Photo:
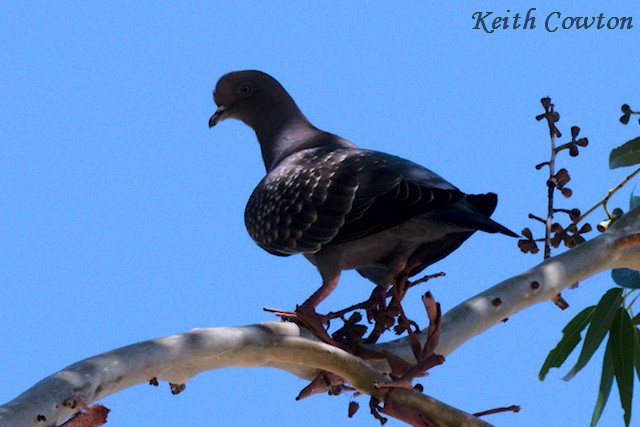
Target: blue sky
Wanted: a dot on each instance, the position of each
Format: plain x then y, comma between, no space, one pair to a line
122,213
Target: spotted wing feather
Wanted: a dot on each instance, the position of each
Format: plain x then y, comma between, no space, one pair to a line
325,196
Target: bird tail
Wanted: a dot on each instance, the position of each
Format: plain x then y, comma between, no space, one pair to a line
474,212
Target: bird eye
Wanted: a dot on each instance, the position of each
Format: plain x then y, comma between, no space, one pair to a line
245,89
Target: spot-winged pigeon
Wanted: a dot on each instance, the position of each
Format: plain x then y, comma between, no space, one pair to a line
341,206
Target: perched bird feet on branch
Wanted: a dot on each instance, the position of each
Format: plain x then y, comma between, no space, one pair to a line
385,315
307,317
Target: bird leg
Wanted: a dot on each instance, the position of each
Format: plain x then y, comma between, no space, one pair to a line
307,316
351,333
385,317
377,302
401,282
377,310
377,299
318,296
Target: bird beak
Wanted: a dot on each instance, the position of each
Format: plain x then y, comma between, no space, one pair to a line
218,116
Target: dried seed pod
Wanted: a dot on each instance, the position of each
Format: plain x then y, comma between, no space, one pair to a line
575,130
526,232
566,192
585,228
528,246
574,214
573,151
583,142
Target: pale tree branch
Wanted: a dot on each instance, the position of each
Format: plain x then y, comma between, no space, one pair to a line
617,247
176,359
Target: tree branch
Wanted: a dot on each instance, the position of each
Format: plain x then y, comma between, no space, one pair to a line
178,358
286,346
617,247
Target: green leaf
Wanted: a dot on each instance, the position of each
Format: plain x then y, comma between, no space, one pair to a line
622,354
606,380
627,154
570,339
601,320
626,277
636,319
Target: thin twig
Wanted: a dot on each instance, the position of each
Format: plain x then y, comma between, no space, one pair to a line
633,301
604,201
513,408
550,191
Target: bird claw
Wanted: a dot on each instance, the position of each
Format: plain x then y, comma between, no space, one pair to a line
311,320
284,314
316,323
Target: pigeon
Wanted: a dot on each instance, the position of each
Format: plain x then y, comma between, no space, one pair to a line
341,206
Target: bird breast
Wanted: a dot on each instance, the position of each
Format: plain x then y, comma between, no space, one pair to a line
292,211
398,242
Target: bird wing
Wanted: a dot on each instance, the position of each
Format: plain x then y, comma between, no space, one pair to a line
389,194
328,195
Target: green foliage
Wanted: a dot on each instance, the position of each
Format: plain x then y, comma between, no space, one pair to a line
600,324
612,316
606,381
626,278
622,338
570,339
636,349
628,154
621,356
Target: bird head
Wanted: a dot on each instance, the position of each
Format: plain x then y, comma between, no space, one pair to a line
250,96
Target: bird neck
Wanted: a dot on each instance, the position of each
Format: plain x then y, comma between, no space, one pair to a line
283,130
280,142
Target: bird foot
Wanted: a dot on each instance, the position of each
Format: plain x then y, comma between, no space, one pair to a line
372,305
284,314
316,323
385,315
307,317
